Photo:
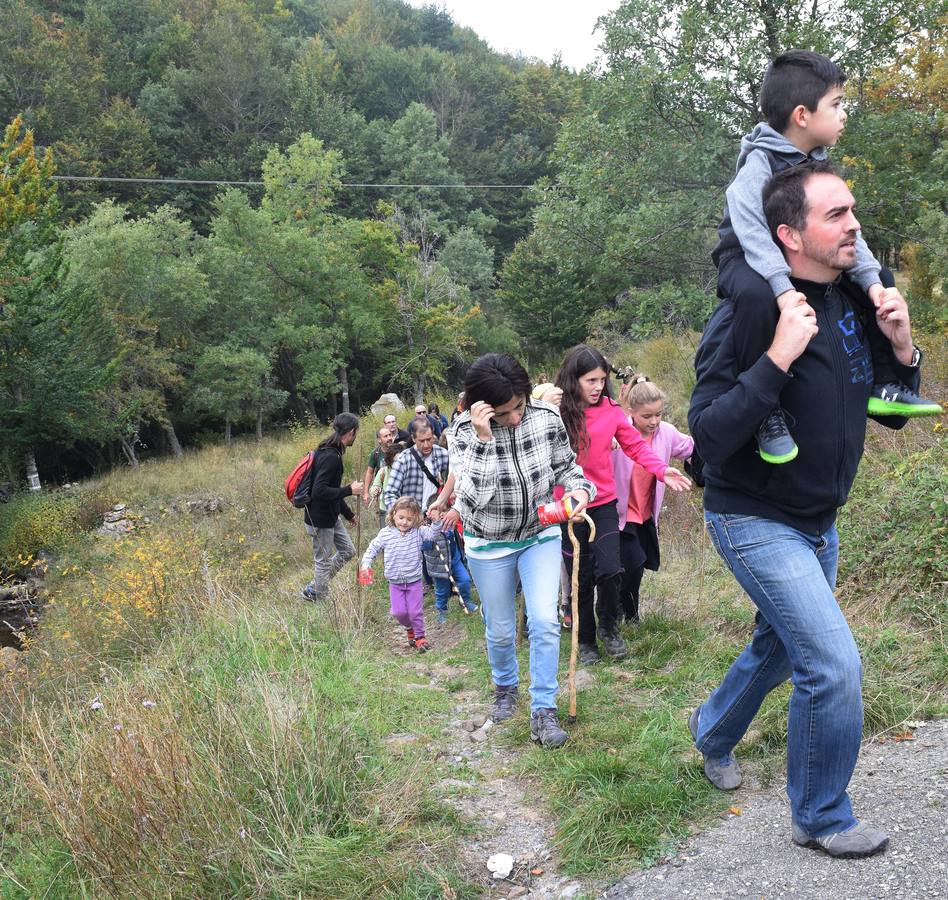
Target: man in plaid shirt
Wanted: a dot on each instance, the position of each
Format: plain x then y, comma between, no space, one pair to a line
408,478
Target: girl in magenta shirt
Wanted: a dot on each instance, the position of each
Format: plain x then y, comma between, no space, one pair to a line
593,420
639,494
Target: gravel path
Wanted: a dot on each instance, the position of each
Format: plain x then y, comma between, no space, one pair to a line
901,786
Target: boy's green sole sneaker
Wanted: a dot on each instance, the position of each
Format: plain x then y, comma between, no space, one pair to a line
898,400
774,441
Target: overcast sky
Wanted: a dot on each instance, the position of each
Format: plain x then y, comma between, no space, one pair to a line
539,28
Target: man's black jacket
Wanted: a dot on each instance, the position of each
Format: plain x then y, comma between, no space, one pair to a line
824,397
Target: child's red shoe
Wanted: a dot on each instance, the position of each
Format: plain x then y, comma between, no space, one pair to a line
410,634
422,645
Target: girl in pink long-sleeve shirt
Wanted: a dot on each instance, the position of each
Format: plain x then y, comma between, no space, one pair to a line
640,495
593,420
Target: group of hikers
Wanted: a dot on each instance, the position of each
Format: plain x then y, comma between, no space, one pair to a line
808,339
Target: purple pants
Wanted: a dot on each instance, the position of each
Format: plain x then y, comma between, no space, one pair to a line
408,605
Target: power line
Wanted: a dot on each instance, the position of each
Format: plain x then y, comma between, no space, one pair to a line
211,182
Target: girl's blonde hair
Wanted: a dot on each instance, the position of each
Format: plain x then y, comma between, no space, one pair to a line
639,391
409,503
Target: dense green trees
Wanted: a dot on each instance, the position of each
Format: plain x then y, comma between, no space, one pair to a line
630,216
138,314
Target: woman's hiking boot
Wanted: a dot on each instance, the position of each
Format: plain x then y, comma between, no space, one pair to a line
505,702
545,729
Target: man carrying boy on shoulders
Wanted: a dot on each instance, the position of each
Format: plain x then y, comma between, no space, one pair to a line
775,527
801,99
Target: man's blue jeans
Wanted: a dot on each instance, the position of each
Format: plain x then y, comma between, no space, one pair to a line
538,569
801,634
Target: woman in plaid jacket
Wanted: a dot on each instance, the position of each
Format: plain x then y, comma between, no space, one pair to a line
508,451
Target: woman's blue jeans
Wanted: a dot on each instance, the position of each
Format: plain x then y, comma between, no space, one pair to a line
537,567
801,634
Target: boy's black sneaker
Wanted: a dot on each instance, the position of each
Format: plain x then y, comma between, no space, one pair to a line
774,441
896,399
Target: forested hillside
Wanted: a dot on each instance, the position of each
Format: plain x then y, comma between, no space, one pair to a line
138,316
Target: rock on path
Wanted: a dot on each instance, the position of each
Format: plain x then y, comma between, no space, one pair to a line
901,786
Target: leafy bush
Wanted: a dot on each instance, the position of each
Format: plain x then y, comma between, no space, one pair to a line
30,523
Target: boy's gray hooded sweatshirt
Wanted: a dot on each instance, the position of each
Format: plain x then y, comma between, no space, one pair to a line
764,152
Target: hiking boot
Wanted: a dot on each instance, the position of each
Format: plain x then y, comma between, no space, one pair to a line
471,606
589,655
545,729
854,843
309,593
442,617
613,644
422,645
410,634
724,773
774,441
896,399
505,701
567,618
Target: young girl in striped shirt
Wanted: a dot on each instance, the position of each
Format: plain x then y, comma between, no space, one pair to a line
401,539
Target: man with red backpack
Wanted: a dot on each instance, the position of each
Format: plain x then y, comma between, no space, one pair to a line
321,495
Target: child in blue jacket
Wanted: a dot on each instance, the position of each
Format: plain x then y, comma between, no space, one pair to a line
443,557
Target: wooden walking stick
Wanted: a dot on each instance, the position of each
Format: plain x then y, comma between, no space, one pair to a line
359,512
574,642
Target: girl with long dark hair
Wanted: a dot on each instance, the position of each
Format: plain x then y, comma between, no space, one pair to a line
593,420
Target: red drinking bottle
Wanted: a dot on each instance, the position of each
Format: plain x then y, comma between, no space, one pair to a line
555,511
365,576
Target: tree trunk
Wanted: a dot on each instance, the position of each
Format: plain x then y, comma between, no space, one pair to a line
259,423
173,440
128,448
227,432
419,388
32,473
344,381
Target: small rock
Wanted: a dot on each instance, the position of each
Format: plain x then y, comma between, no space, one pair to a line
569,890
479,736
519,891
9,659
500,864
447,732
468,725
584,678
479,720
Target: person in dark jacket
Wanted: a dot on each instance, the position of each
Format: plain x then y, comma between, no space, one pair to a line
774,526
332,546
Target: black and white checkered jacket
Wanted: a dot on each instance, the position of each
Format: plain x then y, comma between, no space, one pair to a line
500,483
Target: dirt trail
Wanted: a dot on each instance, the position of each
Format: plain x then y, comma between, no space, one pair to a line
479,780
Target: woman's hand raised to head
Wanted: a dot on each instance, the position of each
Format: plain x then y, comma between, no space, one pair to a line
676,480
481,414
